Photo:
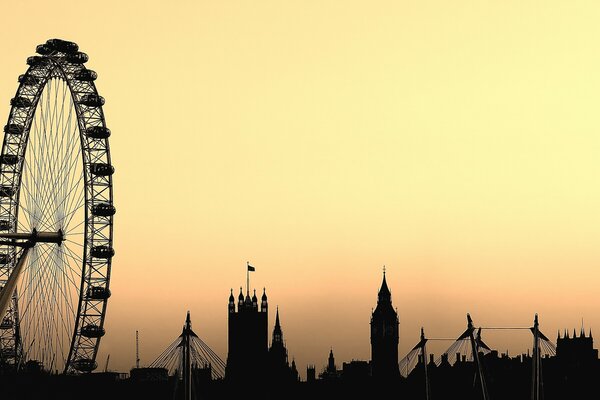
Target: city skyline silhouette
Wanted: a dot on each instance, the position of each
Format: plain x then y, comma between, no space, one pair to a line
454,143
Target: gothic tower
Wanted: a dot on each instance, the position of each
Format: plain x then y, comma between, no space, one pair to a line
384,336
279,368
247,337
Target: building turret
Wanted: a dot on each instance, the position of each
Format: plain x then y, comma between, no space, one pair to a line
255,301
295,375
240,300
331,367
263,303
231,302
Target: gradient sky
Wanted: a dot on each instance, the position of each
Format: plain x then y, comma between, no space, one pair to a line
456,142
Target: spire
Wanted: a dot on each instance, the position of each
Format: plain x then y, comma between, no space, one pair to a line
241,296
384,293
231,298
277,332
277,325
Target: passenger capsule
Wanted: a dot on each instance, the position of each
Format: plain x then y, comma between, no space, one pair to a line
98,293
9,159
36,60
4,258
6,324
78,58
5,225
20,102
62,45
43,49
92,100
14,129
103,210
85,365
28,80
102,169
86,75
92,331
97,132
105,252
6,191
7,353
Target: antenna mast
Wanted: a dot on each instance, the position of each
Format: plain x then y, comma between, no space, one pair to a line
137,349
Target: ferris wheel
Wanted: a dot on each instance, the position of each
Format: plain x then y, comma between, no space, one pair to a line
56,215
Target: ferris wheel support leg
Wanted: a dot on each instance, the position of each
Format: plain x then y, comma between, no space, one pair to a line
7,291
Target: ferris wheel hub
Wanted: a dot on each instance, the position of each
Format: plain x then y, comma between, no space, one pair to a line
31,239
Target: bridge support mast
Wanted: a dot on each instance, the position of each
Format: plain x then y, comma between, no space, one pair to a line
424,355
536,362
476,360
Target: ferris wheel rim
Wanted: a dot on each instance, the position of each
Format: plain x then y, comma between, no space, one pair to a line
61,59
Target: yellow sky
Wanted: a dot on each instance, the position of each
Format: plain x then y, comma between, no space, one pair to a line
456,142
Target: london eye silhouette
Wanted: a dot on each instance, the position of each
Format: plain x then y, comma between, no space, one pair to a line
56,215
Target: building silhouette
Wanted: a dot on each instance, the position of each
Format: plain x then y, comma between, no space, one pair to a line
247,337
576,351
384,336
279,369
330,372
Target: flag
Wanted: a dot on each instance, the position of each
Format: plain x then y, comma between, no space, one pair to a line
250,268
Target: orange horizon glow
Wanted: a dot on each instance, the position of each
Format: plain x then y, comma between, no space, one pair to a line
455,142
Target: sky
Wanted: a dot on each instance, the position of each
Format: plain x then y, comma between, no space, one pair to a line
456,143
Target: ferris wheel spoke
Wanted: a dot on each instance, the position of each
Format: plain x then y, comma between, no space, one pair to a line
34,218
73,255
71,229
59,270
71,279
47,295
75,243
68,279
33,293
76,192
63,174
31,276
75,274
73,212
35,300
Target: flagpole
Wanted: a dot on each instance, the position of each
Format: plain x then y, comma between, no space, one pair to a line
247,277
